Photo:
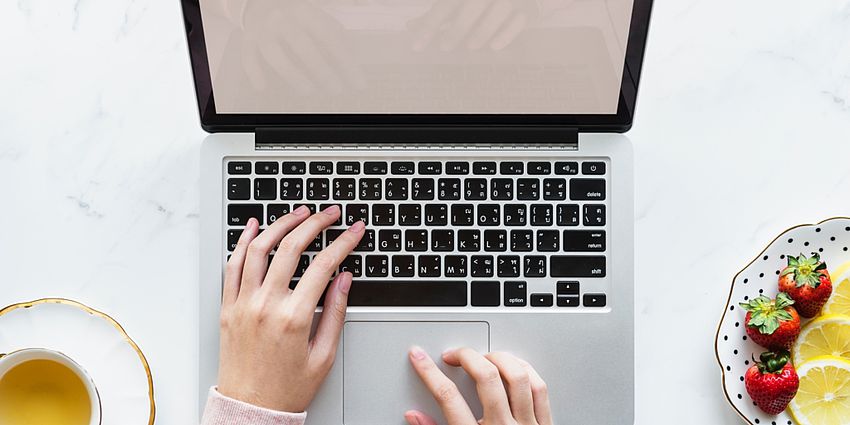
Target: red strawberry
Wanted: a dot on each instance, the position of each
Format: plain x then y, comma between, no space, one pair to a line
807,282
772,382
773,324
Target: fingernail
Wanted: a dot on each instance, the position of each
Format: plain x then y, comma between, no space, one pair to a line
345,282
357,227
331,210
448,351
415,420
301,210
418,353
252,222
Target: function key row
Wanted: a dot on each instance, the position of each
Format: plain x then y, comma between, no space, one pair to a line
422,167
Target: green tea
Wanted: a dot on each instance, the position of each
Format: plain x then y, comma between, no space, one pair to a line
43,392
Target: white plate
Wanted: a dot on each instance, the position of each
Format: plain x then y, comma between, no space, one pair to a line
829,238
96,342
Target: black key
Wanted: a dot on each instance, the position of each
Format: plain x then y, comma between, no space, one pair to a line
332,234
276,211
412,293
352,264
534,265
584,240
501,189
301,267
567,215
587,189
316,244
321,167
442,240
541,300
516,294
463,215
539,168
483,168
568,288
403,265
239,167
344,189
511,167
548,240
238,189
233,238
415,240
355,213
370,189
318,189
508,266
568,168
455,265
396,189
402,167
389,240
522,240
449,189
423,189
294,167
495,240
238,214
488,214
338,221
515,215
567,301
484,294
593,168
267,168
377,266
410,215
310,207
429,266
541,215
265,189
577,266
481,266
469,240
528,189
291,189
595,300
436,215
457,168
594,215
383,214
554,189
374,168
475,189
430,167
348,167
367,242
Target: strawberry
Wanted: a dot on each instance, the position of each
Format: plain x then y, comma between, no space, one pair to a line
773,324
772,382
807,282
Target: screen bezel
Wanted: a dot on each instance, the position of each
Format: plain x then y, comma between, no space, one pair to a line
213,122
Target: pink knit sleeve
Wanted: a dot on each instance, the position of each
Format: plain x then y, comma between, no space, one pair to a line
223,410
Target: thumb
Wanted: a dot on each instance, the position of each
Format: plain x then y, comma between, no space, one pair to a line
333,314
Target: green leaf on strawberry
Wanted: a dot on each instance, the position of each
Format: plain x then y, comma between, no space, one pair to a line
767,314
806,271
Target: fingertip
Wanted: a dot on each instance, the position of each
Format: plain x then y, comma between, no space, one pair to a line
412,417
345,279
417,353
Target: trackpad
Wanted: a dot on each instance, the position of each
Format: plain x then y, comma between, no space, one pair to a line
379,384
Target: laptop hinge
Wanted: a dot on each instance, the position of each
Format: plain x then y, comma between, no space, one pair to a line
411,137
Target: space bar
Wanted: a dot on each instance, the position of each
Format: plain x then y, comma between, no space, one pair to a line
408,293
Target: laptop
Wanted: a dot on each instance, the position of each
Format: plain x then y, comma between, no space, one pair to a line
484,150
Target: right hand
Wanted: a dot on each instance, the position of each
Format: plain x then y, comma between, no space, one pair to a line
510,390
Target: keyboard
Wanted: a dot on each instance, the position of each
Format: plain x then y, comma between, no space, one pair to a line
460,233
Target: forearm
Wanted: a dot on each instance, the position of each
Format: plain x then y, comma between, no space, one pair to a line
221,410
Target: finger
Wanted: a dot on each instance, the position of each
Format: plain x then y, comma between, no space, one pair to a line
445,391
415,417
333,317
257,262
325,265
518,385
515,26
430,24
488,381
490,23
540,393
468,15
233,270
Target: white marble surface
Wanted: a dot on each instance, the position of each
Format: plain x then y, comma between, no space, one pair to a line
743,130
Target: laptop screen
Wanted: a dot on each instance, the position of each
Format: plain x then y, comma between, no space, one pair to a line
432,57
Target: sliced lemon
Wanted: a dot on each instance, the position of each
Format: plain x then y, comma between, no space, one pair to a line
827,335
824,394
841,272
839,301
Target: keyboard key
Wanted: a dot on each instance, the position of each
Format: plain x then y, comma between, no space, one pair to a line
402,167
415,240
534,266
541,300
584,240
344,189
587,189
377,266
511,168
332,234
488,214
233,238
541,215
238,214
528,189
410,215
442,240
291,189
436,215
352,264
268,168
316,244
455,265
567,215
594,215
515,294
396,189
429,266
508,266
495,240
577,266
374,168
463,215
408,293
239,167
318,189
484,294
403,266
501,189
276,211
294,167
567,301
355,213
367,242
383,214
321,167
548,240
265,189
475,189
457,168
301,267
568,168
389,240
554,189
522,240
595,300
515,215
449,189
238,189
481,265
593,168
483,168
539,168
348,167
469,240
568,288
423,189
370,189
338,221
431,167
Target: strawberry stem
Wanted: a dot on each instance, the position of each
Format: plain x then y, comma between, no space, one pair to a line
772,362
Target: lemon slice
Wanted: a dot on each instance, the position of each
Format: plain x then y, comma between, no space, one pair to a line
839,301
824,394
825,336
841,272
